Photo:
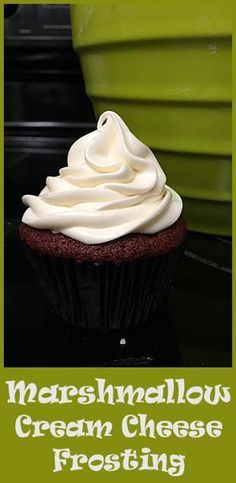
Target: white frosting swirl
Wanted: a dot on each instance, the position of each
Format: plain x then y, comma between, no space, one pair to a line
113,185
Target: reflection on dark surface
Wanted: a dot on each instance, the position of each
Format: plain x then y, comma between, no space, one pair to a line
46,109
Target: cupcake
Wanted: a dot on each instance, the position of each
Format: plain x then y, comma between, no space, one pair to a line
106,234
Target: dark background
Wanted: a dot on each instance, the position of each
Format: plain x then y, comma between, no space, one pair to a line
46,110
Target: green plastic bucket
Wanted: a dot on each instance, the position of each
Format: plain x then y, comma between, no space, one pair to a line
165,67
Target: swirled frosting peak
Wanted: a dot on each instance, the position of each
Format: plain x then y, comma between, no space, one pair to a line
113,185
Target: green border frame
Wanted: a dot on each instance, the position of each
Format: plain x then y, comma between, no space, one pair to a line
206,459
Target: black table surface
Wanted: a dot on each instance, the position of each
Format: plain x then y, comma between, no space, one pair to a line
194,329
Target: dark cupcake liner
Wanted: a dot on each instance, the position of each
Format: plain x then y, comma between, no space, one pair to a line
105,295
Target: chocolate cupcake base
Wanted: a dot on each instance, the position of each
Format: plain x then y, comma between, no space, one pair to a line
115,285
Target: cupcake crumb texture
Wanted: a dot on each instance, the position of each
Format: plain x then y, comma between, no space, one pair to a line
127,248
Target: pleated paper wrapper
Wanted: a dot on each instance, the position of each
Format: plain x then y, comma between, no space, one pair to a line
105,295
